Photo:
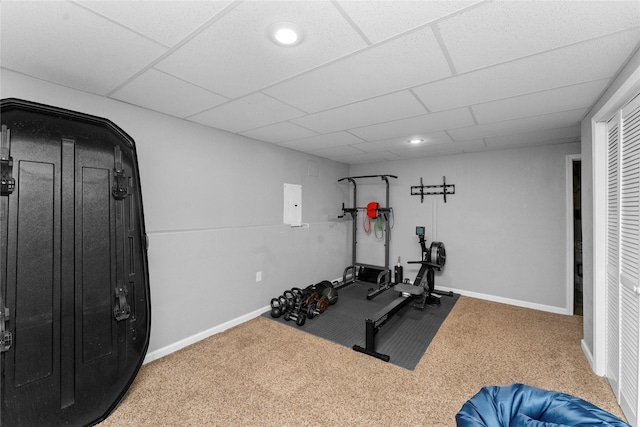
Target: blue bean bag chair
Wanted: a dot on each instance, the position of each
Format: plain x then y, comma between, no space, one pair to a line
520,405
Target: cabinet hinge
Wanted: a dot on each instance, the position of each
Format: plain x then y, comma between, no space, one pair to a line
7,182
120,188
122,310
5,336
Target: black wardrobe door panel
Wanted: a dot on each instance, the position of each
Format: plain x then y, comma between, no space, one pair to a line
75,280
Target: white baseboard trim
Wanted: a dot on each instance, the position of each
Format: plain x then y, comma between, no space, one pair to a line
587,354
509,301
164,351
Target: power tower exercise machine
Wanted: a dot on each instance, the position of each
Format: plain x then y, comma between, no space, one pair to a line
421,293
358,270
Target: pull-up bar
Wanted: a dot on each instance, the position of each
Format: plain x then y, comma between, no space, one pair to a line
384,278
367,176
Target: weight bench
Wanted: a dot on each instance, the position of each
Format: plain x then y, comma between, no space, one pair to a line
377,320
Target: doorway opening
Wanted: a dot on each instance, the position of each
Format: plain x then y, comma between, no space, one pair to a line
577,238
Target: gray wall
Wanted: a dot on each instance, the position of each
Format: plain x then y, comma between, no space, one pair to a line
214,210
213,205
504,230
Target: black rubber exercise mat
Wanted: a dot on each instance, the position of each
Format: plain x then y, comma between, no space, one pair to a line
404,338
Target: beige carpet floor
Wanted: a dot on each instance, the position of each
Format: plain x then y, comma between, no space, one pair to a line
262,373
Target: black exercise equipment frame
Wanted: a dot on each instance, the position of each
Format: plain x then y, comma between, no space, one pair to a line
408,293
350,273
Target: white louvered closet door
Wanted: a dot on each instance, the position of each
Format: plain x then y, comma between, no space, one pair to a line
613,259
630,260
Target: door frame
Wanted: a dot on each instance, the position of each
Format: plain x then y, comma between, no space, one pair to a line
618,95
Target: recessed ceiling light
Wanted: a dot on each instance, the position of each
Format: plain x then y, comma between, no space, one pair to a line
415,141
285,34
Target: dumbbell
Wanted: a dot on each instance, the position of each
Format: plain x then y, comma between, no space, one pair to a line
296,312
310,304
317,306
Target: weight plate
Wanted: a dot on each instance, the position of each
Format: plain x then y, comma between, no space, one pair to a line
331,294
312,298
322,304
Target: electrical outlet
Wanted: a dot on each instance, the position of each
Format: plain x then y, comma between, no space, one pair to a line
259,276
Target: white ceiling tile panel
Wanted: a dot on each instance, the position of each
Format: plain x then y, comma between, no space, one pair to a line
162,92
319,142
523,125
337,152
568,133
472,146
246,113
382,156
514,143
435,150
399,16
368,76
561,67
64,43
501,31
388,107
401,63
279,132
235,56
402,143
415,126
167,22
582,95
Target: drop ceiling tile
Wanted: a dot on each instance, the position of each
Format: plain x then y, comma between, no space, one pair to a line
246,113
167,22
235,56
336,152
394,144
388,107
506,32
66,44
279,132
592,60
425,123
320,142
515,144
399,16
516,126
382,156
530,138
161,92
398,64
582,95
440,149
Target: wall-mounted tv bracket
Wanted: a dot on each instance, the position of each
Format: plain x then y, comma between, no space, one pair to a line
418,190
